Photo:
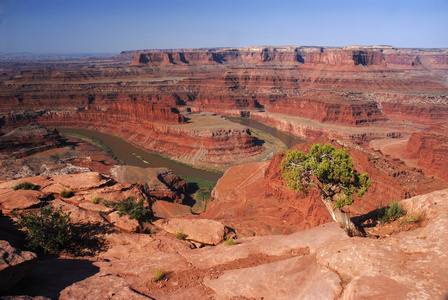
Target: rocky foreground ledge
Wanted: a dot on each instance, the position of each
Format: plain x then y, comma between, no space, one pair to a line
320,263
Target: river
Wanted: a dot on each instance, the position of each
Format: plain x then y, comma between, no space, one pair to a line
135,156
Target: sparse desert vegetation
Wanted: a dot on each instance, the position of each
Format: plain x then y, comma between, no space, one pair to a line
48,230
181,235
26,185
391,212
230,242
132,208
96,199
66,193
159,274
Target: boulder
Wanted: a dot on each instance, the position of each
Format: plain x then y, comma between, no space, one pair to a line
77,214
160,183
20,199
123,222
14,265
95,207
104,287
267,281
81,181
204,231
165,209
54,188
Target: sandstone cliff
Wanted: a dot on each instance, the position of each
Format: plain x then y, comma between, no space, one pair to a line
354,93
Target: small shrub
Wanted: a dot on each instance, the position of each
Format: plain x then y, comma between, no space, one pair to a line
229,242
49,230
152,230
95,199
411,219
391,212
66,193
102,213
181,236
25,186
107,203
135,210
158,275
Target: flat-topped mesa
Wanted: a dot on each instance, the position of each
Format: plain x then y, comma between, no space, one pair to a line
364,57
384,56
217,148
230,56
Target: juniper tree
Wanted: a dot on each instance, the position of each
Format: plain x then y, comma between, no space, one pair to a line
331,171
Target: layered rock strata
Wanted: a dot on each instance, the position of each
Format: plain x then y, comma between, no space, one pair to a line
357,93
430,149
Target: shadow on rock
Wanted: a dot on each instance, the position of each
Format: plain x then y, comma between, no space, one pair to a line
88,238
50,277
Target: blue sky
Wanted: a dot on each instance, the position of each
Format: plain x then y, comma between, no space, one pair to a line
98,26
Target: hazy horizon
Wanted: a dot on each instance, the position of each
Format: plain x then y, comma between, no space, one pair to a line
110,27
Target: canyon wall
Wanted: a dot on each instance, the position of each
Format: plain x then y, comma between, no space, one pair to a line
254,199
290,55
356,93
430,149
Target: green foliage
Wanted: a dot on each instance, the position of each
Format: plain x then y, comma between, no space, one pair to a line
204,194
327,168
410,219
135,210
197,183
25,186
49,230
229,242
158,275
390,213
201,197
95,199
66,193
102,213
200,190
181,236
107,203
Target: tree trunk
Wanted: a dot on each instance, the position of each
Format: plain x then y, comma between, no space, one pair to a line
341,217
